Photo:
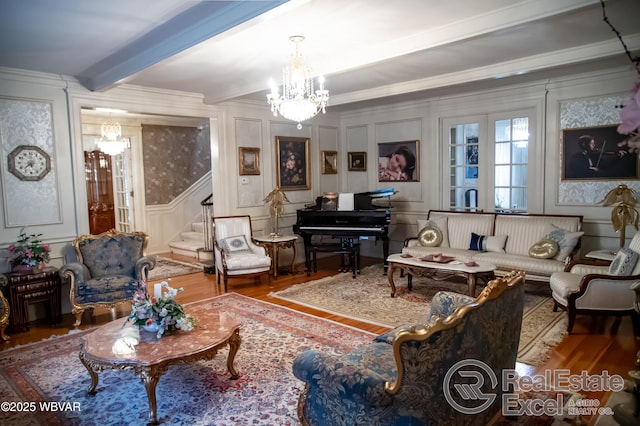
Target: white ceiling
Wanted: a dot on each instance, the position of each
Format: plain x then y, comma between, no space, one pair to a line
370,51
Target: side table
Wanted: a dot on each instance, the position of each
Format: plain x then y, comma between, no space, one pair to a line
273,243
23,289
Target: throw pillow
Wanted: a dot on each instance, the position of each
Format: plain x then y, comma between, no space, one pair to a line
438,222
566,240
623,262
235,245
487,242
430,235
544,249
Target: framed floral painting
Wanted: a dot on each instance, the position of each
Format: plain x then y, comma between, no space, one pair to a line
292,168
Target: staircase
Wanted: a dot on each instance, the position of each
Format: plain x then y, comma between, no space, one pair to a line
191,243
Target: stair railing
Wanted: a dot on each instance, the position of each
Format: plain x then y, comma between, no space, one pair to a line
207,214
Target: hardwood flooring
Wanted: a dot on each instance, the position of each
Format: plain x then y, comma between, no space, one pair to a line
597,344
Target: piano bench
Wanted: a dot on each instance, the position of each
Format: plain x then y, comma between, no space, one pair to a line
350,256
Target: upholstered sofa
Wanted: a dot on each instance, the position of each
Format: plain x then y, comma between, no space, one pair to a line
509,241
398,378
108,270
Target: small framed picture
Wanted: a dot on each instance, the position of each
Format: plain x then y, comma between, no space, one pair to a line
398,161
249,161
357,161
292,168
329,162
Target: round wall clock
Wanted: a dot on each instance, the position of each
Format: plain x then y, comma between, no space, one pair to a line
29,162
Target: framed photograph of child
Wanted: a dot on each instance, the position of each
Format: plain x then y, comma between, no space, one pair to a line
597,153
398,161
329,164
292,163
249,161
357,161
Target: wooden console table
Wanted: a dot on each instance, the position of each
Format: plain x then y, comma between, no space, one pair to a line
22,289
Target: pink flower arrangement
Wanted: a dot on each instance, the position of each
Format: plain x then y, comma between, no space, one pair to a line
630,113
29,250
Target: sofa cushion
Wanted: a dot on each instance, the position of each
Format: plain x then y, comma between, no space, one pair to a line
510,262
236,245
566,240
544,249
460,227
624,262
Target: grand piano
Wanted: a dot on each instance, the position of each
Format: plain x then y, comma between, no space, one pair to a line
368,218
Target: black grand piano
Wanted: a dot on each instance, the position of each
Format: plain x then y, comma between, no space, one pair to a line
368,218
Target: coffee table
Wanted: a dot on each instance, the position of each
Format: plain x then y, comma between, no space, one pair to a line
107,349
414,266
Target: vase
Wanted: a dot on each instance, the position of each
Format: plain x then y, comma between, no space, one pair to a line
152,328
23,269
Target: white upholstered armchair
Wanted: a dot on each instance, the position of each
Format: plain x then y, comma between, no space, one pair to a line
589,288
236,253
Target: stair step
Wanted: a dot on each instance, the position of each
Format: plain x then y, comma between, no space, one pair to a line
197,227
194,236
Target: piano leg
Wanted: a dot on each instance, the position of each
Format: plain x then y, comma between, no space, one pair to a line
385,251
307,254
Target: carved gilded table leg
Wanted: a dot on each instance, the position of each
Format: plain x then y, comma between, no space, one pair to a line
234,345
390,278
150,377
92,373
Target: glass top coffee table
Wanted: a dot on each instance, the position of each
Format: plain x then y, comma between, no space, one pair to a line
438,269
112,347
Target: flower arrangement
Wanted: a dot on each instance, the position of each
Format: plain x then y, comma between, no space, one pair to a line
29,251
162,312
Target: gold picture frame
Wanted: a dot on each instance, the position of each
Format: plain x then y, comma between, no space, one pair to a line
249,159
357,161
292,163
329,164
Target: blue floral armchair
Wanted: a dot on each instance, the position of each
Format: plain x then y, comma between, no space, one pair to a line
108,270
398,378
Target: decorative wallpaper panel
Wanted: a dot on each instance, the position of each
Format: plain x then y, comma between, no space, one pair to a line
589,113
28,202
174,158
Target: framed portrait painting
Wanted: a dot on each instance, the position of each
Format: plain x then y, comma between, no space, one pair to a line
249,161
597,153
292,168
357,161
329,162
398,161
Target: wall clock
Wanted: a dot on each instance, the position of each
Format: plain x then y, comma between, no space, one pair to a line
29,162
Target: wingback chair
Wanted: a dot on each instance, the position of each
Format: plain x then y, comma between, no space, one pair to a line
109,268
398,378
236,253
588,288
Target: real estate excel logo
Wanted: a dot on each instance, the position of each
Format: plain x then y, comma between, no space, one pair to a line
471,386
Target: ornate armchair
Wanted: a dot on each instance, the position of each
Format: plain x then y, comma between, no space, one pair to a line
587,287
235,251
398,379
108,269
4,317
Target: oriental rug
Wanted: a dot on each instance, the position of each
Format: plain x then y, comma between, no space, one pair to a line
199,393
367,298
167,268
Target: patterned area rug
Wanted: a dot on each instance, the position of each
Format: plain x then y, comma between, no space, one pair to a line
368,298
167,268
198,393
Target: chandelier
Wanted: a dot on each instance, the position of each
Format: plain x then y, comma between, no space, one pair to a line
112,142
298,102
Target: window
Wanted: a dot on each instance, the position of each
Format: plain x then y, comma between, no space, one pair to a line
511,167
488,165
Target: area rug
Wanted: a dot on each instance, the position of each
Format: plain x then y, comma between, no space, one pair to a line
198,393
368,298
167,268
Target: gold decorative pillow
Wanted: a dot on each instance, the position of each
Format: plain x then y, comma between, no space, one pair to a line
430,236
544,249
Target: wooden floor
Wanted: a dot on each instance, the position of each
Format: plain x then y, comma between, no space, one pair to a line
597,344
